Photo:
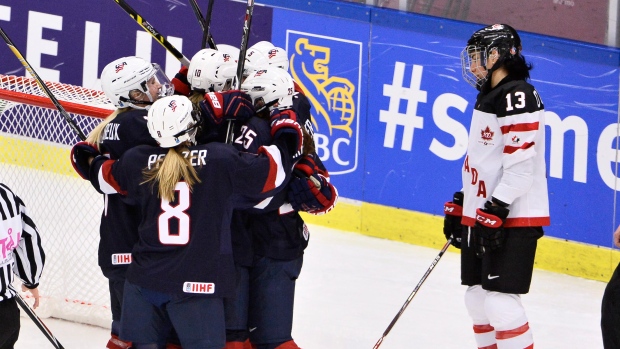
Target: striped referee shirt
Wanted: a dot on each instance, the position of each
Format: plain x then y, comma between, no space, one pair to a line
21,253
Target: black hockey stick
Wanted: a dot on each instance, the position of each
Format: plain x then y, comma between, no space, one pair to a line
37,321
47,91
205,23
154,33
247,22
415,290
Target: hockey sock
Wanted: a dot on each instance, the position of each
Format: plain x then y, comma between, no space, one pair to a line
485,336
484,333
507,315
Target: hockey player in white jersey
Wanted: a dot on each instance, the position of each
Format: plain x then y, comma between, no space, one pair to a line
498,216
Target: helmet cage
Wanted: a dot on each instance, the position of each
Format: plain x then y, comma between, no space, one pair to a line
474,56
499,39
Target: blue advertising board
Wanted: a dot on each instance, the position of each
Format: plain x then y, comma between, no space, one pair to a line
420,121
416,110
329,62
72,40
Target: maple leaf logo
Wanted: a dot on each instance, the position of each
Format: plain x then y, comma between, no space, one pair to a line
487,134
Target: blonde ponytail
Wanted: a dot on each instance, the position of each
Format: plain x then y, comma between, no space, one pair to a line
95,136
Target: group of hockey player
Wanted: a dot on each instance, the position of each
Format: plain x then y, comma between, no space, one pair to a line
202,241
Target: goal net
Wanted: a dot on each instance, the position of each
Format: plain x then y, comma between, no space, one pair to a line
36,140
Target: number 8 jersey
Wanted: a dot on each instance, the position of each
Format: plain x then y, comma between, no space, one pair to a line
185,245
506,155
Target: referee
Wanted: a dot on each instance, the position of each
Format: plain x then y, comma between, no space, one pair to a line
21,254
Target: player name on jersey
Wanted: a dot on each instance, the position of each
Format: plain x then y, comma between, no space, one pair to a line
199,287
121,258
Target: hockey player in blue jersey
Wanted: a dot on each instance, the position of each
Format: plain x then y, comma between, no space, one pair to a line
132,85
182,265
211,70
214,71
279,234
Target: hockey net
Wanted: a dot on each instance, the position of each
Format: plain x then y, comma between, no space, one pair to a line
36,140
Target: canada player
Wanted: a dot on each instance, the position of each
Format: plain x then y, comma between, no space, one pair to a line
183,263
132,85
497,218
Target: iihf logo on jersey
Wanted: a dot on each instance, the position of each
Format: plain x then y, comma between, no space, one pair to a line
328,70
198,287
121,258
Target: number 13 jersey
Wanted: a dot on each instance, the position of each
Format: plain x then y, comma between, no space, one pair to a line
506,155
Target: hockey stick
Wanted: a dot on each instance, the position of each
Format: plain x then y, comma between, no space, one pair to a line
37,321
154,33
205,23
247,22
47,91
415,290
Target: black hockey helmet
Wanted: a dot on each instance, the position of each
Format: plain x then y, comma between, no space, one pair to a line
500,37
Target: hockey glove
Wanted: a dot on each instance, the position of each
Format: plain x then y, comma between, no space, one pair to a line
180,83
278,114
313,194
229,105
310,191
290,133
453,211
81,154
489,228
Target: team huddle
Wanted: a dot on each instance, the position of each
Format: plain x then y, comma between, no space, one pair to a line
201,240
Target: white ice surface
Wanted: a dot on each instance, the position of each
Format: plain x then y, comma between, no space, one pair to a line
352,286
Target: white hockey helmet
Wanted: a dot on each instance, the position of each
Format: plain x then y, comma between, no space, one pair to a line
127,74
211,70
254,60
229,49
277,57
273,86
172,121
262,46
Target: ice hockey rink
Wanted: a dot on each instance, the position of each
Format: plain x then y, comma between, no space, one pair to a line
352,286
